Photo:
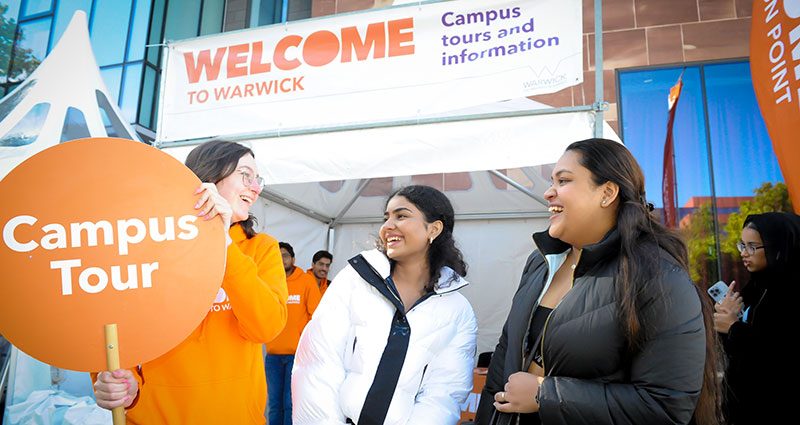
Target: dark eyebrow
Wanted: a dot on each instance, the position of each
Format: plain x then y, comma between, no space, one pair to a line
564,170
397,210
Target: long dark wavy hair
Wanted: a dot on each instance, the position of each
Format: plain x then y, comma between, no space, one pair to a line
434,205
639,228
216,159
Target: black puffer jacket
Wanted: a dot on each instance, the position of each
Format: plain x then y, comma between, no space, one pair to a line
590,379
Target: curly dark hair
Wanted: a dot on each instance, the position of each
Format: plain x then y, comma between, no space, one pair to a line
434,205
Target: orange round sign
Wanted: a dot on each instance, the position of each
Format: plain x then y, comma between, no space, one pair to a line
100,231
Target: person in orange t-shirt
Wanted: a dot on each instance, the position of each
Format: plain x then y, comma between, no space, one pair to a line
320,266
215,376
304,297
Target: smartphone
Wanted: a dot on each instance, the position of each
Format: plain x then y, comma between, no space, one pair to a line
718,291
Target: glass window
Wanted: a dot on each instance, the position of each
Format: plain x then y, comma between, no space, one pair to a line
731,106
717,112
644,96
112,77
746,175
33,7
64,12
183,17
112,123
74,126
265,12
8,104
213,13
156,27
149,87
28,128
109,30
9,11
156,107
141,18
130,91
31,48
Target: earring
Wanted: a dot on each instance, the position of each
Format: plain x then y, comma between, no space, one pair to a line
604,202
431,240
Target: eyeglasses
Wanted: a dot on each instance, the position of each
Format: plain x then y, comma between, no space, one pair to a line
247,179
751,249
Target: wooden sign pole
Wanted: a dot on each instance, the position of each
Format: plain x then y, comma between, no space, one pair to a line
112,361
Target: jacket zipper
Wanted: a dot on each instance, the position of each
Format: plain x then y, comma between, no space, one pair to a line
391,288
544,329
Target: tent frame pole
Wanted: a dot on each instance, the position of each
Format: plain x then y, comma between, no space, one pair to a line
382,124
509,215
599,105
294,206
518,186
332,225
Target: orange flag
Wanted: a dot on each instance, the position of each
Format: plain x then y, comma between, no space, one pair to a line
775,69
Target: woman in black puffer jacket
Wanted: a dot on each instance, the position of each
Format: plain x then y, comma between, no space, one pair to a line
606,326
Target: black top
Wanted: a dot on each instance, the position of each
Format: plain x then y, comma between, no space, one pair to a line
540,315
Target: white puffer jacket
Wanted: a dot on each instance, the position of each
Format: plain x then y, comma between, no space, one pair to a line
340,348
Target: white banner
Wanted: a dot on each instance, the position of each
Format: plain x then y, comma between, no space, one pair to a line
388,64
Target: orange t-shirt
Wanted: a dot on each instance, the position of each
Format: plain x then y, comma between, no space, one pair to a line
304,297
216,375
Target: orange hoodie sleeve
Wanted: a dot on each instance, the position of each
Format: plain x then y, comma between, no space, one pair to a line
256,286
313,297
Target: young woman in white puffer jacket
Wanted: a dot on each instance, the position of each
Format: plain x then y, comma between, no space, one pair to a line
393,341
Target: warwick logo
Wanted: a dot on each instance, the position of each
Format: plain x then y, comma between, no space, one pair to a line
293,299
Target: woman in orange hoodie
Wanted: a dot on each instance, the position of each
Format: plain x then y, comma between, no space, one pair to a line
216,375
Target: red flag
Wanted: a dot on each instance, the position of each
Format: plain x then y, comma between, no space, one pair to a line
669,188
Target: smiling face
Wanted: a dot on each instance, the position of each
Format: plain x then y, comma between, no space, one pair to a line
238,194
757,261
405,233
321,268
576,203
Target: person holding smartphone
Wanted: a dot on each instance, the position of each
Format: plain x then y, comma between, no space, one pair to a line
756,346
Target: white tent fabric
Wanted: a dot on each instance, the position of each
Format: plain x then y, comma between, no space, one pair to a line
65,98
436,145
